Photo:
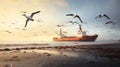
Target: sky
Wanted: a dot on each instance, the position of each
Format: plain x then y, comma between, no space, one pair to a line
53,12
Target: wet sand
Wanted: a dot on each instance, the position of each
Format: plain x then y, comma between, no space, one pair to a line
103,55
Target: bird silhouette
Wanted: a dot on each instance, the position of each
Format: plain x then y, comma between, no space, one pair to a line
73,22
75,16
103,15
8,31
30,18
112,22
60,25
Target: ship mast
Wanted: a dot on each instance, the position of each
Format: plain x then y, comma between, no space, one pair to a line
60,32
80,28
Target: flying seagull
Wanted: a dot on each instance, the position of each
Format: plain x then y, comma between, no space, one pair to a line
73,22
75,16
29,18
8,31
112,22
102,15
60,25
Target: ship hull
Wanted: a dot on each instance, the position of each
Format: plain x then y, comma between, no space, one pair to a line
73,38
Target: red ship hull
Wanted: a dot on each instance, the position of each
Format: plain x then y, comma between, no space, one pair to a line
73,38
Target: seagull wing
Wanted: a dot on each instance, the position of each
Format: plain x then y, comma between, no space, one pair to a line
99,16
34,13
26,22
69,14
113,23
106,16
58,25
109,22
79,18
25,15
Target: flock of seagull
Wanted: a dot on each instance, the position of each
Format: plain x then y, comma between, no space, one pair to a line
30,18
79,23
99,16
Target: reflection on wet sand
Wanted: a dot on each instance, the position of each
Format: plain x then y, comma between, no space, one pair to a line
62,56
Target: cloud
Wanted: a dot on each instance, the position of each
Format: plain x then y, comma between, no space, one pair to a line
31,4
113,5
51,14
61,3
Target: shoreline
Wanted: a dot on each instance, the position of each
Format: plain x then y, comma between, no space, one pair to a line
40,46
62,56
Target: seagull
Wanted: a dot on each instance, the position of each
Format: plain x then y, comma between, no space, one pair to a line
8,31
29,18
60,25
113,23
75,16
102,15
73,22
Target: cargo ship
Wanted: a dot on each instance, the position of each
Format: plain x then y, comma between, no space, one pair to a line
82,37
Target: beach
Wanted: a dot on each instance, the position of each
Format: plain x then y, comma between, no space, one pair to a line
100,55
59,33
